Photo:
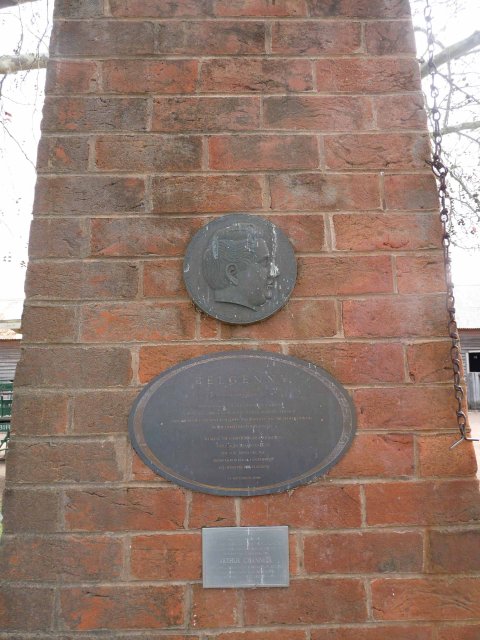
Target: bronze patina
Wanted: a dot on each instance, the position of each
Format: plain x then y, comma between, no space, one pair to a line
240,269
242,423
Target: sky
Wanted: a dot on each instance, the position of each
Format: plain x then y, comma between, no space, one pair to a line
18,141
22,115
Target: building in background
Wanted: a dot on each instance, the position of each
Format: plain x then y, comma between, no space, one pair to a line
468,317
10,344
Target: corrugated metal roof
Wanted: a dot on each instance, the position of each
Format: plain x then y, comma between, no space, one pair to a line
9,356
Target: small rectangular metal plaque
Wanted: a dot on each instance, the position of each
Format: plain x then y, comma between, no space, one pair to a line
245,557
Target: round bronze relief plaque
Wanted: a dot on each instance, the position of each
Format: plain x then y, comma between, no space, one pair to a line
240,268
242,423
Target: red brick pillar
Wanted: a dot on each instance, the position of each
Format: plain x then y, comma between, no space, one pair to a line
161,115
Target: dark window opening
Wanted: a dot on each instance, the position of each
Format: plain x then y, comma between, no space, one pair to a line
474,362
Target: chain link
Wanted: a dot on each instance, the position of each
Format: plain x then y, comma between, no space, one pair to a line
440,172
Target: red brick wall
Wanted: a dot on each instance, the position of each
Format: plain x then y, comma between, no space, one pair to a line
159,116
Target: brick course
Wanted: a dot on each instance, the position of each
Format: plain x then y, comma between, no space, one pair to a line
160,116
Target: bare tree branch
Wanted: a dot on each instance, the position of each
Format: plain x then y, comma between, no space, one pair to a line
13,64
13,3
453,51
463,126
5,128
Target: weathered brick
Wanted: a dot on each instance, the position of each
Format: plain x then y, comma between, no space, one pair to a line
316,38
386,232
82,636
420,274
148,153
209,327
278,634
48,324
150,76
71,77
94,114
163,279
102,38
305,232
355,362
401,112
263,152
324,192
307,601
30,511
256,120
405,407
388,151
40,414
320,276
266,8
98,412
457,632
166,557
323,113
156,359
410,192
312,507
26,608
213,607
92,194
131,509
211,511
143,236
359,8
245,75
435,458
205,114
57,238
364,552
184,194
300,319
78,9
429,362
426,599
423,503
119,607
141,473
62,462
62,154
389,38
76,280
367,75
374,455
211,38
144,321
375,633
447,551
65,558
395,316
160,8
73,367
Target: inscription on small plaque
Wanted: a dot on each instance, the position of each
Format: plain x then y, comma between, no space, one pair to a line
245,557
240,268
242,423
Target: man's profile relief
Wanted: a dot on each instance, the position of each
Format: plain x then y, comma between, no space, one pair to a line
238,266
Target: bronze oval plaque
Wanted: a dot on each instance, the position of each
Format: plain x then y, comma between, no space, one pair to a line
240,268
242,423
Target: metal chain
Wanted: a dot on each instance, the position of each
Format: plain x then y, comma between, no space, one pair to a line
440,172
